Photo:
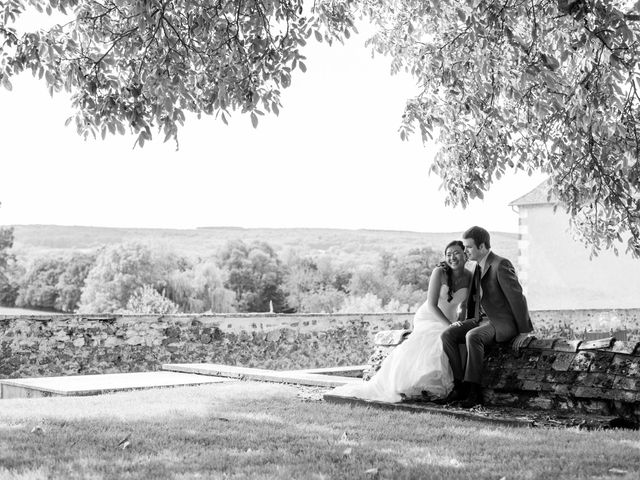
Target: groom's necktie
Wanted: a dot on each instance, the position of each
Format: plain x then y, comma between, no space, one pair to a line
477,289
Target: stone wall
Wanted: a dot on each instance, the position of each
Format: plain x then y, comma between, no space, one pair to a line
624,324
551,373
75,345
598,376
589,376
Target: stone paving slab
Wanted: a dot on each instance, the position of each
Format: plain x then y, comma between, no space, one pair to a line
80,385
350,371
259,374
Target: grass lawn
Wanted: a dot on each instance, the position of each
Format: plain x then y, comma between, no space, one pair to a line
260,430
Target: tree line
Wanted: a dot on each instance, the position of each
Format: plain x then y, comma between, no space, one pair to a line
139,277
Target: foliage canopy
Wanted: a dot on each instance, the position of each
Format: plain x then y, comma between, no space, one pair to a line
536,85
548,85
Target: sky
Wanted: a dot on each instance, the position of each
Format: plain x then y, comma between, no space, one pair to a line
333,158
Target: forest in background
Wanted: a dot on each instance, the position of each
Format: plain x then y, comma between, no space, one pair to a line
220,269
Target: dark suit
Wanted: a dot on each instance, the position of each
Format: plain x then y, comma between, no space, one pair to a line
506,316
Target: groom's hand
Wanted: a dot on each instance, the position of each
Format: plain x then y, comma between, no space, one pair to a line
460,323
519,341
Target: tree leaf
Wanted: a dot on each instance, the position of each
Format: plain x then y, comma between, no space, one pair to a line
6,83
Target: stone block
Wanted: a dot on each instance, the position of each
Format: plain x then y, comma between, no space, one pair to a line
111,342
527,341
555,376
582,361
529,359
594,406
597,344
624,396
601,361
624,347
172,331
501,398
274,335
563,345
565,403
507,361
533,386
626,383
563,361
626,365
289,335
542,343
601,380
532,374
560,389
540,402
596,393
546,360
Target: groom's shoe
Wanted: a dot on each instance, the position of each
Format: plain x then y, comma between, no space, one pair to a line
474,396
458,393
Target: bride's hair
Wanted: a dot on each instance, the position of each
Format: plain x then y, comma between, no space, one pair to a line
447,269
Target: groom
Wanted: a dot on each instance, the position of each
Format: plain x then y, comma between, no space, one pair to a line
496,312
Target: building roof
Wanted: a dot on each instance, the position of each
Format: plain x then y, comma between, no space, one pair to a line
540,195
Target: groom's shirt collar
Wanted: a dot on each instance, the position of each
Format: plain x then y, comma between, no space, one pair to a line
482,262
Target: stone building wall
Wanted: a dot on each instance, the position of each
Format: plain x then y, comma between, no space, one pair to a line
558,273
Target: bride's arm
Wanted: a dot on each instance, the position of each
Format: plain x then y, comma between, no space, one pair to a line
462,308
435,284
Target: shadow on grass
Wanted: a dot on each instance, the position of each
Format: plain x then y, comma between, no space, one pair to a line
257,430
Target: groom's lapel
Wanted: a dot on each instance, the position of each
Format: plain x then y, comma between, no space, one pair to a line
486,269
488,264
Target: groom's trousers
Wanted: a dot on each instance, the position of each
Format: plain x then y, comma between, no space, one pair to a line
476,337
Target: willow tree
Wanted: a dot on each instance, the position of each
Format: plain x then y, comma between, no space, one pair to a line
532,85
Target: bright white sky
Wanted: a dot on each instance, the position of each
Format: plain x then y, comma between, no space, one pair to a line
332,159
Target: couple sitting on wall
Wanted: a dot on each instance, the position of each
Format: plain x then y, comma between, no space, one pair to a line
477,309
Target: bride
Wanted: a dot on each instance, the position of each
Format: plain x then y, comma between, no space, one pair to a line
419,364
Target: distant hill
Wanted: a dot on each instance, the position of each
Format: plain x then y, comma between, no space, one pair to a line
361,246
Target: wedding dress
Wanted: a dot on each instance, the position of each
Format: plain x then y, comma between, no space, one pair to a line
417,364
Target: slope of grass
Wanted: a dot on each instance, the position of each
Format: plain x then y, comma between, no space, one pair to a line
343,245
256,431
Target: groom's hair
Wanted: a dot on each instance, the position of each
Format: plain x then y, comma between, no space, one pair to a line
479,236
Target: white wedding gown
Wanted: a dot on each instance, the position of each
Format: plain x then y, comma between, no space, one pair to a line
417,364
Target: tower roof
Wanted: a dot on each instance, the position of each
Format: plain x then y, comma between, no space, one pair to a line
540,195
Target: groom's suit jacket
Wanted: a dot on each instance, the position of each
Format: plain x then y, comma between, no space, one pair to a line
502,299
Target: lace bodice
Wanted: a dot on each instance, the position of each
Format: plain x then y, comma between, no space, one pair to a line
450,309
